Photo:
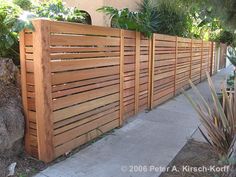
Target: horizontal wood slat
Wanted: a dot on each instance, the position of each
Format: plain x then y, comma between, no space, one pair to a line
64,40
96,77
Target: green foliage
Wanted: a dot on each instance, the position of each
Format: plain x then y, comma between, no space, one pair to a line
219,119
205,24
14,19
220,9
226,37
197,19
148,17
172,18
9,39
225,9
124,18
179,17
162,16
56,9
24,4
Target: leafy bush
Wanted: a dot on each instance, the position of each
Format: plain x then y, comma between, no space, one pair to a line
56,9
172,18
218,121
24,4
162,16
225,9
124,18
226,37
13,19
9,13
148,18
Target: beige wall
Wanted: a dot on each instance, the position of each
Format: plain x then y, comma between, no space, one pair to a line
91,6
120,4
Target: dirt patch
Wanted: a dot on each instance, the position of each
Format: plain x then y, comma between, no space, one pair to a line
195,154
26,166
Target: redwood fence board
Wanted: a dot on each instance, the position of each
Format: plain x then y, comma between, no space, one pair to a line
80,81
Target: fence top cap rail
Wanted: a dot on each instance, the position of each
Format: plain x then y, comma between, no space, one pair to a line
71,27
101,30
179,38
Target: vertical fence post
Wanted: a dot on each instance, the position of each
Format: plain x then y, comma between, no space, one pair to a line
201,61
209,57
43,89
191,58
24,89
176,56
211,64
137,70
152,70
121,77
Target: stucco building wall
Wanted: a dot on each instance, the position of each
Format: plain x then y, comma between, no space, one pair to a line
99,18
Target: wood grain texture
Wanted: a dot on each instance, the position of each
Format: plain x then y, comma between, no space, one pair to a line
80,81
137,70
43,90
24,89
176,57
150,69
121,116
153,70
201,60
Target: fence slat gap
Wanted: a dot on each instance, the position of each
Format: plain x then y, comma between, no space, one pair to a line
72,95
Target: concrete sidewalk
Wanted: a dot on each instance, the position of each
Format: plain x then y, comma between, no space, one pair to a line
150,139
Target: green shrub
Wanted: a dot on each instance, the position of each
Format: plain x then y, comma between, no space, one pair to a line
13,19
172,18
24,4
56,9
164,16
123,18
9,13
226,37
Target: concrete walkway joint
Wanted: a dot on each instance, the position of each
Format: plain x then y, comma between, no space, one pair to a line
149,139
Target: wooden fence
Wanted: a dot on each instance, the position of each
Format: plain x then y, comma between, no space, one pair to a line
223,54
80,81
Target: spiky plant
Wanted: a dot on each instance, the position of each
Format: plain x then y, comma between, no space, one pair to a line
148,16
123,18
219,121
145,20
